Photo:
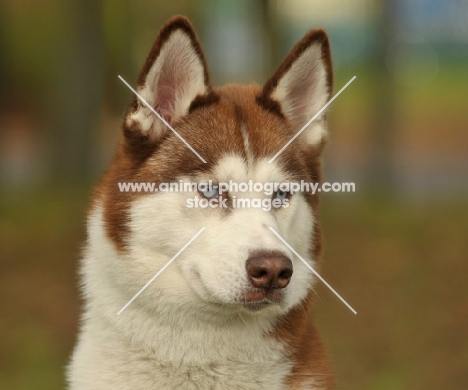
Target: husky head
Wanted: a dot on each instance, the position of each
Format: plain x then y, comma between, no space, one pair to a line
237,263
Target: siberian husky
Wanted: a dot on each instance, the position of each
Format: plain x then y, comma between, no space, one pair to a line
233,310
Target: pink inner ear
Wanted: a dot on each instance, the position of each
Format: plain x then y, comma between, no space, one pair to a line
299,95
165,102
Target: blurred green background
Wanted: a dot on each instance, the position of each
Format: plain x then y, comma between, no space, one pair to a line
396,249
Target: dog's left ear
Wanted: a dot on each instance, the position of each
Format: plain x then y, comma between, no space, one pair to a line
302,86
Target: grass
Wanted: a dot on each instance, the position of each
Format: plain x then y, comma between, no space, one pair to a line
41,234
402,264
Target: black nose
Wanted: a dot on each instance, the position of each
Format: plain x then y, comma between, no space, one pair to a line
269,270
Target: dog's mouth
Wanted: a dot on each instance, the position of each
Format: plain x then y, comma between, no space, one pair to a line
258,299
251,299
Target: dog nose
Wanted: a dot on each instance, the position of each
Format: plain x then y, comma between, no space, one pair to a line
269,270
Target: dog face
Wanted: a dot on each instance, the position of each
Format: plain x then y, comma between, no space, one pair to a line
236,264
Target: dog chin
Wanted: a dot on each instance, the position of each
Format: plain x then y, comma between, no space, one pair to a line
271,302
258,306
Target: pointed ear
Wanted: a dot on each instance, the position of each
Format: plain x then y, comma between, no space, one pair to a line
173,76
302,86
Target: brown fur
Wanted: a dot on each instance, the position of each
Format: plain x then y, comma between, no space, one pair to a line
298,332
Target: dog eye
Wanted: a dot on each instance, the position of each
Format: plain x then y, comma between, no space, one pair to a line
210,192
282,195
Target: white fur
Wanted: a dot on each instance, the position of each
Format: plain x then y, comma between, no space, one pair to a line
248,152
302,91
186,331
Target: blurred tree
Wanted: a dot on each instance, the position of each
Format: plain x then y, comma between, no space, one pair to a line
78,86
271,36
3,62
381,174
119,31
234,40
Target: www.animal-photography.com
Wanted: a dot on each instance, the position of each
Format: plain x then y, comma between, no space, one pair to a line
233,195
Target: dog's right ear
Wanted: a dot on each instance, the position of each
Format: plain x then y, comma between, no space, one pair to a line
174,74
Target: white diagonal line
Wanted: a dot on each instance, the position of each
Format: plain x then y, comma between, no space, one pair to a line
315,272
162,119
161,270
308,123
